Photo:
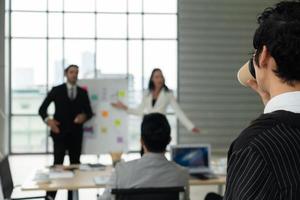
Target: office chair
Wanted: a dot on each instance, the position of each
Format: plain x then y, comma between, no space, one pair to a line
167,193
213,196
7,185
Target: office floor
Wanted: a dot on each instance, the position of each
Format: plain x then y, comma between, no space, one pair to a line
22,166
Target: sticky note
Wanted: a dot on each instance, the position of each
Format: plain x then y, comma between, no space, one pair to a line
85,87
105,114
117,122
94,97
88,129
120,140
103,129
121,93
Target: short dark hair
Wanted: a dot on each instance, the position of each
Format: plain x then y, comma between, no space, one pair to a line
279,31
151,86
156,132
67,69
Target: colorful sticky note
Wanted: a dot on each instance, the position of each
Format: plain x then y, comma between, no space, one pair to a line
103,129
94,97
117,122
120,140
88,129
121,93
105,113
84,87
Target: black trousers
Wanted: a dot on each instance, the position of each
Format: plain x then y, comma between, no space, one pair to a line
66,142
71,143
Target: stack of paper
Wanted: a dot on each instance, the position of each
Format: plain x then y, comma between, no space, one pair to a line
41,177
92,167
61,174
101,180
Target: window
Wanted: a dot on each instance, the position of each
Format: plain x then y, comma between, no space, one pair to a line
47,35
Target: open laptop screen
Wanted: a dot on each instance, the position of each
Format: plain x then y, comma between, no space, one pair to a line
196,158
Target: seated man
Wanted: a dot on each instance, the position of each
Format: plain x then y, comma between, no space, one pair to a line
153,169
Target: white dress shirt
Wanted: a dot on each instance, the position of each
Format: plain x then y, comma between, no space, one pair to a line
164,99
289,101
71,87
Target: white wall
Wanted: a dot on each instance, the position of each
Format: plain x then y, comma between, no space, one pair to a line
215,39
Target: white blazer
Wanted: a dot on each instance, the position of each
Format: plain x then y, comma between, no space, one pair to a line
164,99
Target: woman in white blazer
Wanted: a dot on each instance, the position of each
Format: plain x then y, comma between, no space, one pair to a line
156,100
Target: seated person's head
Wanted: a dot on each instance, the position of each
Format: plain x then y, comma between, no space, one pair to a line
277,45
156,133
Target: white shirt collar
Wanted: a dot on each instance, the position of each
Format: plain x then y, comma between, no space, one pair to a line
69,85
154,155
289,101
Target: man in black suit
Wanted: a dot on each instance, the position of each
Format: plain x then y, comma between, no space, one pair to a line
72,109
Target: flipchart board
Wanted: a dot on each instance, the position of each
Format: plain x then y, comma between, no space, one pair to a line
107,131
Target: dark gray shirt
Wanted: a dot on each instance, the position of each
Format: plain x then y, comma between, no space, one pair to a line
152,170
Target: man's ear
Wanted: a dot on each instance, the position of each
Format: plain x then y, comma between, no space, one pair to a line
143,145
264,57
142,142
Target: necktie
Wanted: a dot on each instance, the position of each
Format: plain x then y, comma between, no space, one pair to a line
72,93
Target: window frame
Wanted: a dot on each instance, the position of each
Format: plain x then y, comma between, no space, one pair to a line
96,39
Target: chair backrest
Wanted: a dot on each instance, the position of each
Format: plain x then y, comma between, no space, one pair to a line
167,193
1,193
6,178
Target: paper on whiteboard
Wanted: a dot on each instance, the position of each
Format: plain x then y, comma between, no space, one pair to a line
107,131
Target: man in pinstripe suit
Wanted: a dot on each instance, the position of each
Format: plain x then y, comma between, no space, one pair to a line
264,161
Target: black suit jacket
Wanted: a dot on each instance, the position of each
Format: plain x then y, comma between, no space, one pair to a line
66,110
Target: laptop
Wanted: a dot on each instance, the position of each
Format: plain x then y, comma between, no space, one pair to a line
195,157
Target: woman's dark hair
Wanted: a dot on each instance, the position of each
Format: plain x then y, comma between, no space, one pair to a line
151,86
156,132
279,31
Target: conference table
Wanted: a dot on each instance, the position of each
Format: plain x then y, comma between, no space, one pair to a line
83,179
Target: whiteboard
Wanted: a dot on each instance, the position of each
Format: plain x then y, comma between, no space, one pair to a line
107,131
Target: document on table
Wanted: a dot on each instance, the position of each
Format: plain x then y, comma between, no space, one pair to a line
101,180
41,176
61,174
92,167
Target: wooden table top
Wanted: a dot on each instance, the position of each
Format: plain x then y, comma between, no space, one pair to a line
85,179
